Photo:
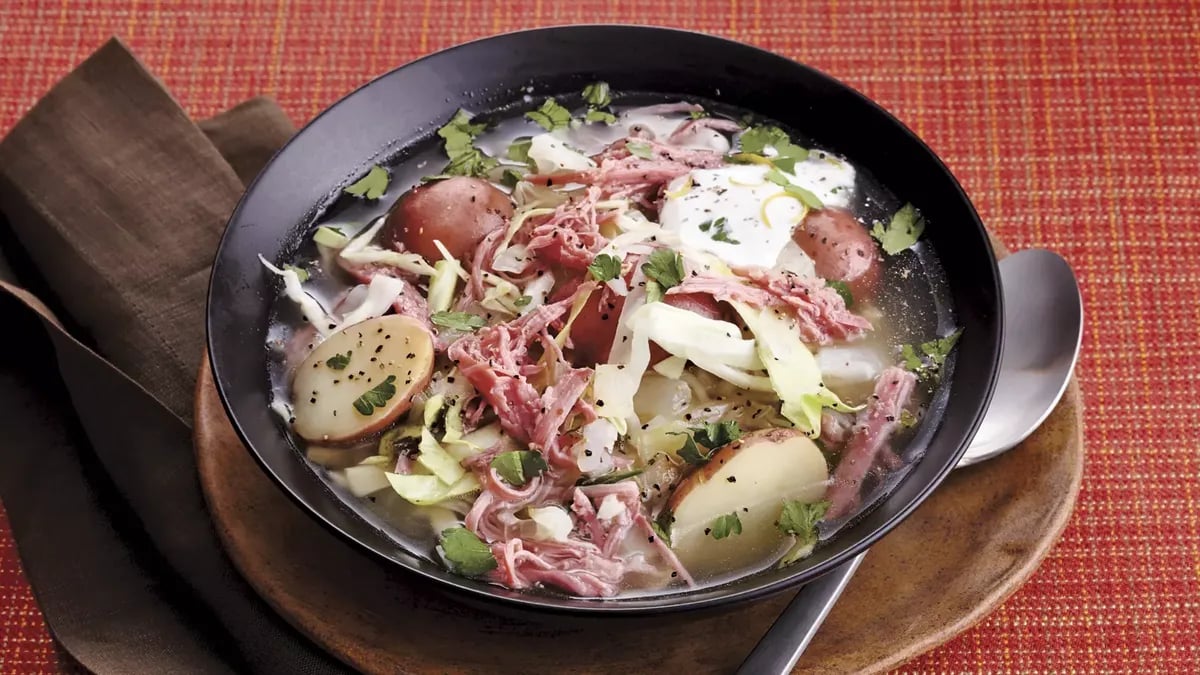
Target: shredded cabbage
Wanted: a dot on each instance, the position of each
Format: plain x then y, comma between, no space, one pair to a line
434,457
360,251
551,155
446,273
792,369
312,310
364,479
425,490
715,346
553,523
381,293
537,291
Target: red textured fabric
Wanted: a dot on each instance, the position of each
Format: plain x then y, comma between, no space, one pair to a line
1072,124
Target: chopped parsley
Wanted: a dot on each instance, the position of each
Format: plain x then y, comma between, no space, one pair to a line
372,185
698,114
661,531
905,227
597,95
465,159
462,321
550,116
718,229
638,149
605,267
339,361
726,525
800,519
467,554
517,467
927,359
843,289
665,267
757,139
593,115
700,442
523,300
510,178
376,397
806,197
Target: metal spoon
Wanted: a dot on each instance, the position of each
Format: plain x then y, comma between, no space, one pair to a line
1043,321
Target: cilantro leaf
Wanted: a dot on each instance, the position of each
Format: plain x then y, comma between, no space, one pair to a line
843,289
300,272
726,525
800,518
462,321
666,267
806,197
339,361
518,467
518,150
372,185
550,116
605,267
376,397
717,434
927,359
594,115
609,478
642,150
597,94
466,553
905,227
661,532
465,159
757,139
523,300
690,452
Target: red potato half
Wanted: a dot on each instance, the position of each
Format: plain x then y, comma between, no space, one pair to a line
751,477
841,248
594,329
457,211
323,395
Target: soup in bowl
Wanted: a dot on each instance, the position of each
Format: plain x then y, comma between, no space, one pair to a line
601,344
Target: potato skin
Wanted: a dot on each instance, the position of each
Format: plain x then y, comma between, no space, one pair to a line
458,211
594,329
841,248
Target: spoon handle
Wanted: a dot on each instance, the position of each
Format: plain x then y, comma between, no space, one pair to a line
778,650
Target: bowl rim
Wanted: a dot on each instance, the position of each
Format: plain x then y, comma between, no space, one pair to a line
469,589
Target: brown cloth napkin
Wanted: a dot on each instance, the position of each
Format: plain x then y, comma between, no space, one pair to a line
114,201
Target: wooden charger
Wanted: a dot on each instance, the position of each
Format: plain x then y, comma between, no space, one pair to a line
960,555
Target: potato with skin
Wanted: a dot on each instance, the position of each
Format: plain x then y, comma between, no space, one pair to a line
385,361
458,211
752,477
841,249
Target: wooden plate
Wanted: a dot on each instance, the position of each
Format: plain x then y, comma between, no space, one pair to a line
967,548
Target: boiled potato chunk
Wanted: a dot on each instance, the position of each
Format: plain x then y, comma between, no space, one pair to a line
360,379
751,477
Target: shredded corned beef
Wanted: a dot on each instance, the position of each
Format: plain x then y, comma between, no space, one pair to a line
571,235
821,313
866,447
691,126
723,289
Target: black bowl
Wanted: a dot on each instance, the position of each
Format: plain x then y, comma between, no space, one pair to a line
401,109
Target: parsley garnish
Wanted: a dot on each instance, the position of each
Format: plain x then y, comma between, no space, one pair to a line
594,115
661,532
931,357
300,272
807,198
609,478
597,94
550,116
642,150
605,267
517,467
725,526
801,519
510,178
465,158
339,361
523,300
376,397
718,229
843,289
468,554
665,267
901,232
757,139
702,441
462,321
372,185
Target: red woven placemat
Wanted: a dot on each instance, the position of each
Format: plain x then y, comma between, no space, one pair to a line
1073,125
